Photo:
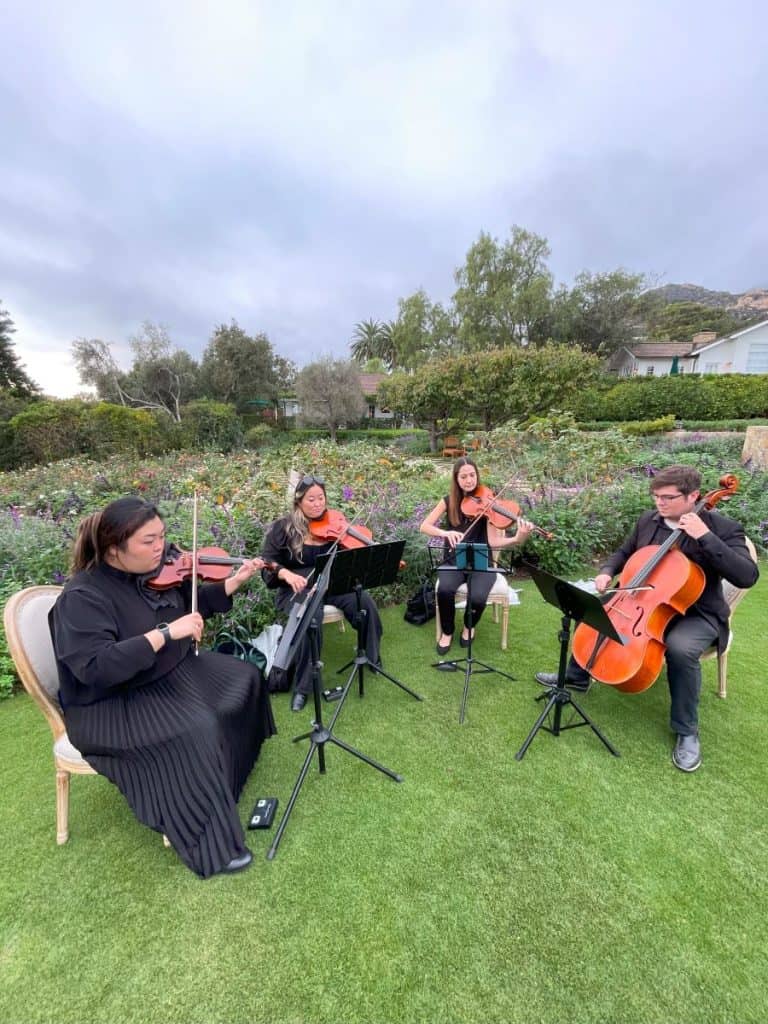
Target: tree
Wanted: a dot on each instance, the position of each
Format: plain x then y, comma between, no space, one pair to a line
330,394
373,339
97,368
423,331
431,395
599,313
12,373
160,377
503,291
286,372
239,368
679,321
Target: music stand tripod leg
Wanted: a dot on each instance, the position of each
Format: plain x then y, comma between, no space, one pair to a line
469,662
318,736
361,659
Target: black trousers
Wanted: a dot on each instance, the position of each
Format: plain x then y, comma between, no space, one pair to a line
448,582
302,663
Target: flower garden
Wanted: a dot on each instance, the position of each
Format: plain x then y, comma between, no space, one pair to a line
586,488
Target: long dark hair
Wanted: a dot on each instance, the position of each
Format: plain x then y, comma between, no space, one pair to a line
112,526
297,524
456,494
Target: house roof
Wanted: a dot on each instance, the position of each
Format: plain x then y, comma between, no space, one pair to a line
660,349
369,382
728,337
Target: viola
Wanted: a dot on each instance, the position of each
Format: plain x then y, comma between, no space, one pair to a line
657,583
500,512
334,525
213,565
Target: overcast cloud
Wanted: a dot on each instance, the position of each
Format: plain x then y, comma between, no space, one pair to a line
299,166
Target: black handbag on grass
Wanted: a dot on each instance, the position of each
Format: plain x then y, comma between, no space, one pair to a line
420,606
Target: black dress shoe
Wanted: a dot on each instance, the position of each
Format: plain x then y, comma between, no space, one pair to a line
465,643
550,679
298,702
237,863
444,650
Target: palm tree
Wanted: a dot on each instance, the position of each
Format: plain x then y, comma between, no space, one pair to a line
374,339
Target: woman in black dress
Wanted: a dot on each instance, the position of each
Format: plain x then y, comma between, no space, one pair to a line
290,546
465,480
176,732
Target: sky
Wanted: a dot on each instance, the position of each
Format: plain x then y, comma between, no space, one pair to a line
299,166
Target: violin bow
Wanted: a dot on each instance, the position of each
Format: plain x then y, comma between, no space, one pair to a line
194,564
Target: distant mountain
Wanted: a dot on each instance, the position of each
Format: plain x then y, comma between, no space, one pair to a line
745,306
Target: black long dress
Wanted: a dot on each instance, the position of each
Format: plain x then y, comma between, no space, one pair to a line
177,733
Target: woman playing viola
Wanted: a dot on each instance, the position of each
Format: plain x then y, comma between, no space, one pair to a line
291,545
456,527
176,732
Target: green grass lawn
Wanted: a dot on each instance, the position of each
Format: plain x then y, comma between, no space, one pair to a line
569,886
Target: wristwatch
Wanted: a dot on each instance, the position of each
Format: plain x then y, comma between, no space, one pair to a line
165,629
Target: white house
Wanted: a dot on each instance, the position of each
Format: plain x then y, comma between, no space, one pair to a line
744,351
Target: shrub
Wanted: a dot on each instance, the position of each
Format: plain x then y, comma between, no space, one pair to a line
211,425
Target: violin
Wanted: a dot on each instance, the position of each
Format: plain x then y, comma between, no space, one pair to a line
500,512
213,565
657,583
334,525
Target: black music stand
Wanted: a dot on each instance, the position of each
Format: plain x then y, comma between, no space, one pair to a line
473,556
577,605
374,565
318,735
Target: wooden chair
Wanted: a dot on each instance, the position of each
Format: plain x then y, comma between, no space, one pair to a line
498,598
732,596
453,448
29,641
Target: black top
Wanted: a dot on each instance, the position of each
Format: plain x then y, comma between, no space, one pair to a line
98,624
277,549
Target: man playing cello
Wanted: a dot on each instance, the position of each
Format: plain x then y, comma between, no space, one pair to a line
716,544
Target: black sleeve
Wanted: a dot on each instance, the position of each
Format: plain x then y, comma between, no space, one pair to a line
86,641
725,550
275,544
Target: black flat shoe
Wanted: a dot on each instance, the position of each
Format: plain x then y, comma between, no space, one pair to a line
298,702
463,642
238,863
444,650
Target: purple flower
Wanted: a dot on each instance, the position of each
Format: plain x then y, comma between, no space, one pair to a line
347,493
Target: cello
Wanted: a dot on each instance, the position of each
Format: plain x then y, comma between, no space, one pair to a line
657,583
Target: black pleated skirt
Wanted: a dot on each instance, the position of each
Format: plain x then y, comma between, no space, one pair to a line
180,750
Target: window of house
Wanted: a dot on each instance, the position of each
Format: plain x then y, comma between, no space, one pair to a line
757,357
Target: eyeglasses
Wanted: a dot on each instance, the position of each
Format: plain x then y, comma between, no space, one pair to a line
667,497
308,481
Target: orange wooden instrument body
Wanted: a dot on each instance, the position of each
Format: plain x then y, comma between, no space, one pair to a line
641,616
334,525
213,565
500,512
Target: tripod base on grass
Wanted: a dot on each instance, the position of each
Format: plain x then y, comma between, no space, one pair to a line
318,736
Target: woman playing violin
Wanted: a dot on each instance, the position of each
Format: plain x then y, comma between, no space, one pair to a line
293,547
457,526
176,732
710,540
